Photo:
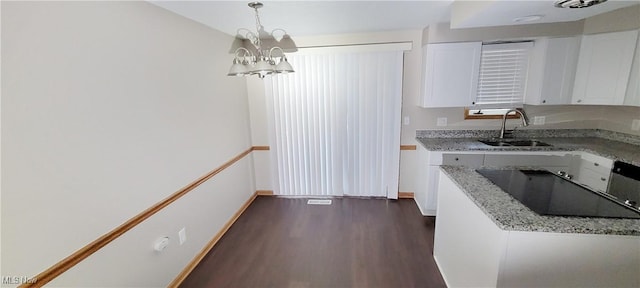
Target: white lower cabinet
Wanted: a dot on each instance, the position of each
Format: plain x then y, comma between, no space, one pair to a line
472,160
427,187
472,251
593,171
592,178
555,161
426,192
585,168
420,194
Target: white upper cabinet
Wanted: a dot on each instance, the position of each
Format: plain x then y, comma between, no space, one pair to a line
450,74
603,68
552,69
633,88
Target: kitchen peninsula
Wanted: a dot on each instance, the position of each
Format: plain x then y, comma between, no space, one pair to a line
485,237
568,147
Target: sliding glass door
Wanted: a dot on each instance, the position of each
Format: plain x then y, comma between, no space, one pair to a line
335,124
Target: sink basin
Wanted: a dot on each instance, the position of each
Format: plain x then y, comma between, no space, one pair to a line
514,143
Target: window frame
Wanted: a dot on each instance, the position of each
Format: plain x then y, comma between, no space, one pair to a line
468,116
515,55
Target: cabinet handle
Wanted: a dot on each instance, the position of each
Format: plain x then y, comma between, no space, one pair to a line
596,164
457,159
579,101
603,179
544,101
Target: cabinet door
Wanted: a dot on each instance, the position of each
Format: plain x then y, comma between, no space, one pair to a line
594,171
471,160
593,179
552,70
603,68
427,181
560,70
450,74
633,90
537,159
422,181
431,204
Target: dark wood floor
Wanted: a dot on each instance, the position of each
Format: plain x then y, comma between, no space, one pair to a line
281,242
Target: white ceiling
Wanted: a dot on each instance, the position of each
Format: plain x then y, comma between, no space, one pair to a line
503,12
303,18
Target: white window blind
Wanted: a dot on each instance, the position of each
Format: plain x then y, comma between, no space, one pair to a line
335,124
503,71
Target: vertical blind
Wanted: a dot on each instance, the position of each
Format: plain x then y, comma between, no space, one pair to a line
336,124
503,71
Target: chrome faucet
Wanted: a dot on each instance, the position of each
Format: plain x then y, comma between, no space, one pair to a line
523,116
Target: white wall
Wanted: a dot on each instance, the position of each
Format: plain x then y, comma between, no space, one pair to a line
619,118
107,108
259,132
442,33
618,20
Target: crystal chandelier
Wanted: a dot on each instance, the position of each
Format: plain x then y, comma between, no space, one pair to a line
262,62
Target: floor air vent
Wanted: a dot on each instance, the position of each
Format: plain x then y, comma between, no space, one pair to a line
319,202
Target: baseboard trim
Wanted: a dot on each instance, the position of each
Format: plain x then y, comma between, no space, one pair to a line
264,192
405,195
267,148
196,260
444,277
408,147
261,148
419,207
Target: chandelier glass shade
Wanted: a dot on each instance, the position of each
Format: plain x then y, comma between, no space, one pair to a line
263,56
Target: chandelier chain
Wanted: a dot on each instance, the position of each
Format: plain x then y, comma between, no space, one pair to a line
258,26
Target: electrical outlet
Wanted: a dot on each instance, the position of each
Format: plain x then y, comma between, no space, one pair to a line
182,235
161,243
538,120
406,120
635,125
442,121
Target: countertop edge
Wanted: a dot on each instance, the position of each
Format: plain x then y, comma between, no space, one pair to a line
509,214
630,155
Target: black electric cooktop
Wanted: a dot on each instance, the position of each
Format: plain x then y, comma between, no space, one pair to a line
548,194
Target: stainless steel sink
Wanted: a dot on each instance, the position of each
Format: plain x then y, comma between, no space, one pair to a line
514,143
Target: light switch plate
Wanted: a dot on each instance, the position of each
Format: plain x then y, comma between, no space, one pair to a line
442,121
539,120
182,235
406,120
635,125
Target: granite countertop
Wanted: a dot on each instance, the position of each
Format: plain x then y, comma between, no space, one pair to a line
615,146
509,214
